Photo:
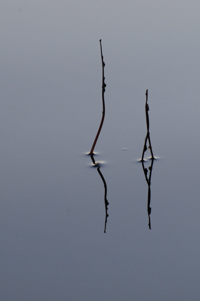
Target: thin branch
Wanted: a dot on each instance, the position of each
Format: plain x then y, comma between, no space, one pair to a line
148,132
103,101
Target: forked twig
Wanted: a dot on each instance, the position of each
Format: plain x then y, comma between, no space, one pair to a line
148,132
103,101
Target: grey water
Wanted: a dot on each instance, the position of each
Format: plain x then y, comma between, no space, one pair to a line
72,231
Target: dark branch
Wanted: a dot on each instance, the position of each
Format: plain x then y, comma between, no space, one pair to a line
103,101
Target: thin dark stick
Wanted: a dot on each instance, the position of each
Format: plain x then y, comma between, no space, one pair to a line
147,110
147,122
103,101
144,148
148,132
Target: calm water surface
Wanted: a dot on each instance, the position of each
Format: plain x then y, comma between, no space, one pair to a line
53,243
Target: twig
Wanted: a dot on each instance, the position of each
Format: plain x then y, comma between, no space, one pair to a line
148,132
103,101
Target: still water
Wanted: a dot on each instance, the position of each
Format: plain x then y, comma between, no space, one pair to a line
56,208
123,229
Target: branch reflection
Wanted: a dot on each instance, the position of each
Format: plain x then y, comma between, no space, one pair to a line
105,190
148,174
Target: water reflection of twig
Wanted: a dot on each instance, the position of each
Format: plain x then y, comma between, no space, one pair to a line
148,180
105,191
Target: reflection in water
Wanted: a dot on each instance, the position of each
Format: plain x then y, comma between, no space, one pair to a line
148,180
150,168
105,190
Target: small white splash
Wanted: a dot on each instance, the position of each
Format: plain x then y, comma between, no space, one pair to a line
98,164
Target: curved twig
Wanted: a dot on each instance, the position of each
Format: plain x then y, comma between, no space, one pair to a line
103,101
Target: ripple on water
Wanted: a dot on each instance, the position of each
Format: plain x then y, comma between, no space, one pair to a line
147,159
98,164
94,154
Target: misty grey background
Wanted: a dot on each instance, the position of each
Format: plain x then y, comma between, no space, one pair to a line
51,201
